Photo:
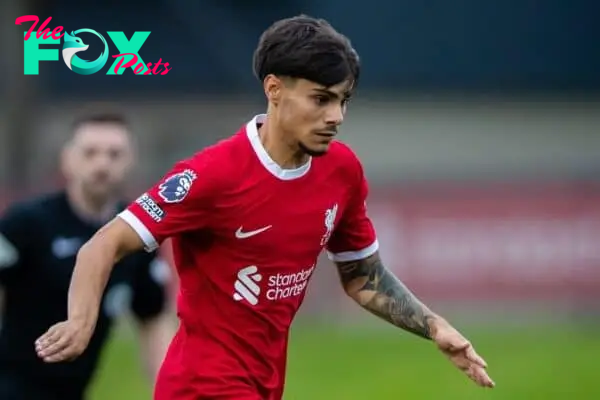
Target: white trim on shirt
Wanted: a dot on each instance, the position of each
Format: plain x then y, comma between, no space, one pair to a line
264,157
138,226
354,255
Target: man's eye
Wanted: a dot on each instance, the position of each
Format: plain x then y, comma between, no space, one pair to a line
321,100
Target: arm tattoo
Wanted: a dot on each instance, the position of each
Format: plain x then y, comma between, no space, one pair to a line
376,289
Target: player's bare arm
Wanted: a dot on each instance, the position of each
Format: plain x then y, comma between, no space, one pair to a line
95,261
376,289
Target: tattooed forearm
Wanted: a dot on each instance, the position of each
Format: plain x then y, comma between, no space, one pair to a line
380,292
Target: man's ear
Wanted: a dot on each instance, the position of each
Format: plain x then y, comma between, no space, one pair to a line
273,86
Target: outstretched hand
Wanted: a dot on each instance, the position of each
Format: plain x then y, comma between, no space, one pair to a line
462,354
64,341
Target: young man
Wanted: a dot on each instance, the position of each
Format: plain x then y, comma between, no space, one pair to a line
249,217
39,240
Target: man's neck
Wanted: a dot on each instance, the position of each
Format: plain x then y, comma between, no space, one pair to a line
88,209
286,154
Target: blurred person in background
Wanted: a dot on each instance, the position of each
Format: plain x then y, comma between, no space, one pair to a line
249,217
39,241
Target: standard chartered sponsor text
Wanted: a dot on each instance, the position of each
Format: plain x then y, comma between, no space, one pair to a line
282,286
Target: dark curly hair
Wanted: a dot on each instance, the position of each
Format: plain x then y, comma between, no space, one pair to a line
306,48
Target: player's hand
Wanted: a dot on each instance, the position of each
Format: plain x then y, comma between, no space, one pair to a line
462,354
64,341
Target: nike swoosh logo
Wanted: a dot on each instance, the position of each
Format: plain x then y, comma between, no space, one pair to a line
240,234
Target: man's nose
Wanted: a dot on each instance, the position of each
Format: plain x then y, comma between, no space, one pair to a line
335,116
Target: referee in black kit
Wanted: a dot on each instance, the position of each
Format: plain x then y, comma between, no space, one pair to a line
39,241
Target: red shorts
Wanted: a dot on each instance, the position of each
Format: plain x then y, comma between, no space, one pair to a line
188,393
177,381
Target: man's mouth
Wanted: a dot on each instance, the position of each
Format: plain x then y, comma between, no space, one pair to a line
327,134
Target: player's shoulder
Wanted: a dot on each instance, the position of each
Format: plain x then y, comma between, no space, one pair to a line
343,158
36,206
216,165
343,152
220,151
221,158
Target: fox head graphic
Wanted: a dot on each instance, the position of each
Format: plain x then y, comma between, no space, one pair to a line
72,45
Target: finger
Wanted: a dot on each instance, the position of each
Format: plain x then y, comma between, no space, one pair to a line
63,350
472,356
51,336
484,380
67,353
460,362
47,335
58,344
54,349
480,376
458,345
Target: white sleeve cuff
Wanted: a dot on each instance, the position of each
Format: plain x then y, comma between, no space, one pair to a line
354,255
150,244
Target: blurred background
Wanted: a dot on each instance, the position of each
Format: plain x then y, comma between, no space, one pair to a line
479,128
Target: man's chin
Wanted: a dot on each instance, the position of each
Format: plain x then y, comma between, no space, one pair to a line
316,150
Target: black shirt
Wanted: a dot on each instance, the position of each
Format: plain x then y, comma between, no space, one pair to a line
39,240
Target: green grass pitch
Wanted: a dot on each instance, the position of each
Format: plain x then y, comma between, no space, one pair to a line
549,363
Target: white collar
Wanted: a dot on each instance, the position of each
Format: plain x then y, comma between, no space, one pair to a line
265,158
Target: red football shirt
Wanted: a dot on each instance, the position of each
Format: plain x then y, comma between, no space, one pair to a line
246,235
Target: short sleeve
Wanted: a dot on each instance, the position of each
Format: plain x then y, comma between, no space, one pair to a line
151,286
354,237
181,202
15,239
